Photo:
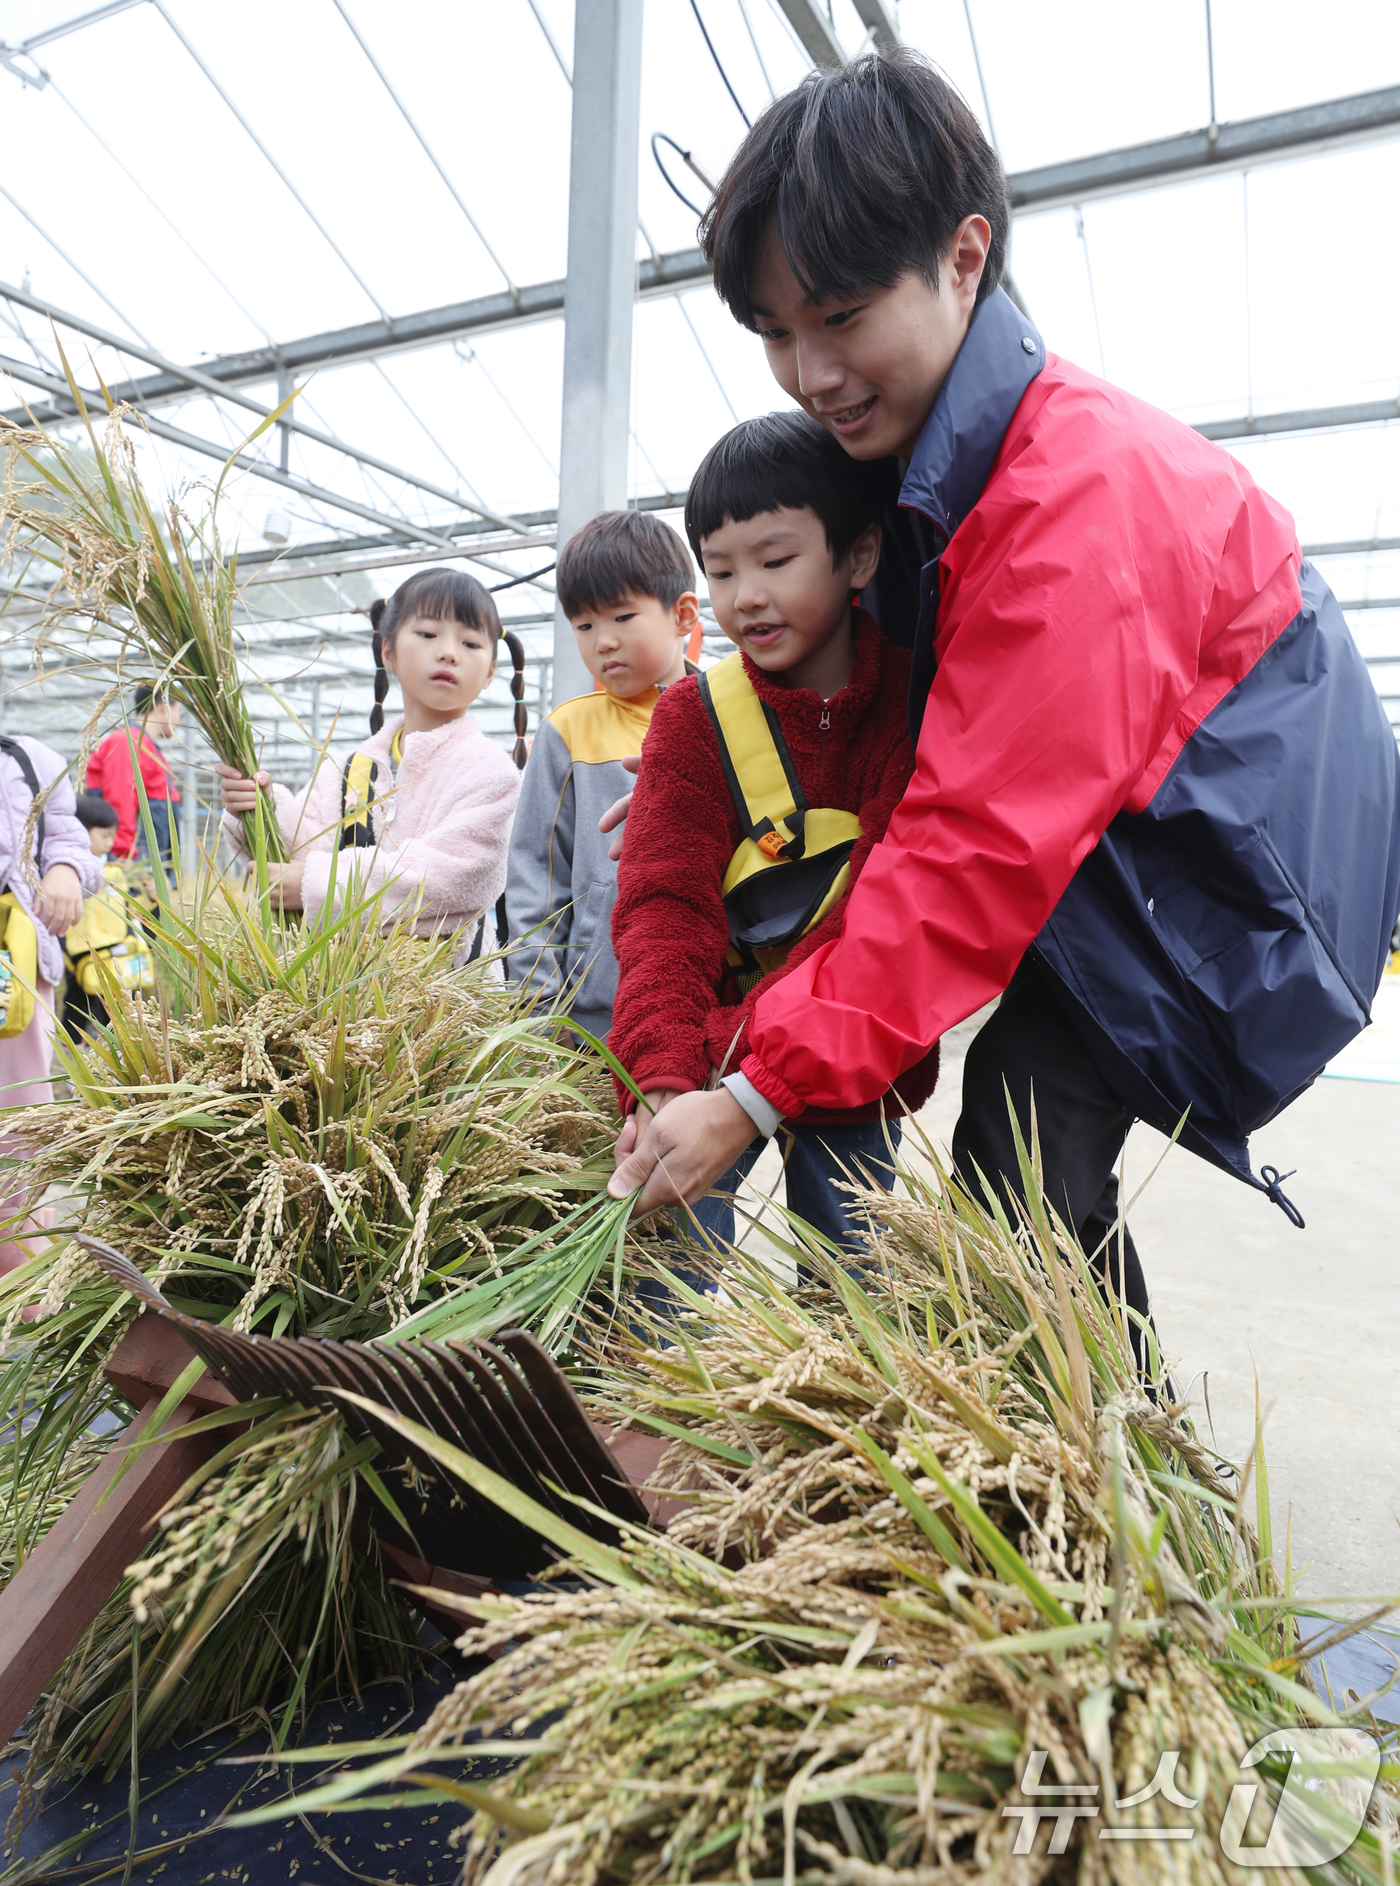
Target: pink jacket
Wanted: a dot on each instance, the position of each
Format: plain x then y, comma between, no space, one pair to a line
441,830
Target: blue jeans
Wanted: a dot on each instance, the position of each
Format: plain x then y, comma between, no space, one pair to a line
160,822
816,1159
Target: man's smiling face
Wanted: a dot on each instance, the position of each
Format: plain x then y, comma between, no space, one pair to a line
870,368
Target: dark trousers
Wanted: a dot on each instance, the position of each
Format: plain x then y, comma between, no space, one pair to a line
816,1161
1030,1048
160,824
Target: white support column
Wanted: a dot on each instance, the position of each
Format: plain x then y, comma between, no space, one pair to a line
189,824
601,286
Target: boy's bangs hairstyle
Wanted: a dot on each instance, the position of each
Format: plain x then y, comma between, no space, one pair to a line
864,173
94,811
622,553
789,461
441,594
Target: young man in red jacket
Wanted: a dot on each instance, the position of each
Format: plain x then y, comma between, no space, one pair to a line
764,786
112,770
1157,801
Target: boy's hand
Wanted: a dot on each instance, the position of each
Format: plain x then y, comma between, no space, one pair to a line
637,1119
680,1151
237,793
619,809
59,903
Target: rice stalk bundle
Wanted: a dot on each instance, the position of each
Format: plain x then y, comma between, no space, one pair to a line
930,1525
326,1132
135,573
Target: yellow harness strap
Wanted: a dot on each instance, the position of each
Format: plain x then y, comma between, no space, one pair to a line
356,798
105,943
793,864
19,967
357,794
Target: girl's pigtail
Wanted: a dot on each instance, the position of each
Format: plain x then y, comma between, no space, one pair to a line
517,694
381,673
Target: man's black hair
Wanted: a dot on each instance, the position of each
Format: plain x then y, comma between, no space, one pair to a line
147,695
93,810
788,461
622,553
864,172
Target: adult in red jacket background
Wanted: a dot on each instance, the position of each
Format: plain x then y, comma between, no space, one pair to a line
1156,802
113,767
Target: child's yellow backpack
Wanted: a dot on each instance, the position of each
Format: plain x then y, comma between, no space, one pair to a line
795,862
19,967
19,940
105,939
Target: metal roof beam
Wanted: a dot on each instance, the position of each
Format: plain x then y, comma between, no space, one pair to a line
336,549
334,556
1310,419
878,21
1215,147
371,340
1344,120
414,533
1356,547
199,380
1251,140
815,31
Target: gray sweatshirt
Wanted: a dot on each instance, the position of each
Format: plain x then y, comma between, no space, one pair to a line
561,884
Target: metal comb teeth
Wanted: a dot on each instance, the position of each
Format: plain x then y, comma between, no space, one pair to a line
506,1404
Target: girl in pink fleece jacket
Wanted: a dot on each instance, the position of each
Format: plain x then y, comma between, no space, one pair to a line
434,834
69,872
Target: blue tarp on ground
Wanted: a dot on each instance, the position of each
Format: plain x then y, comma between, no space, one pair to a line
181,1801
1357,1668
398,1847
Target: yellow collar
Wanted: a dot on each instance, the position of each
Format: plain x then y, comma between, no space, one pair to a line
396,745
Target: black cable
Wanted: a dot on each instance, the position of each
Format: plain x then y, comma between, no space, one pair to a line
666,173
521,579
695,9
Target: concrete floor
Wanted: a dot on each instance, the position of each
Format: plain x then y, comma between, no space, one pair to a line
1236,1288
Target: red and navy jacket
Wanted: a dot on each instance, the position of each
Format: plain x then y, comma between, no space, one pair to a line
111,773
1148,750
678,1015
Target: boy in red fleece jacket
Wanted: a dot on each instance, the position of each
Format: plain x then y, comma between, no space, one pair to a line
784,525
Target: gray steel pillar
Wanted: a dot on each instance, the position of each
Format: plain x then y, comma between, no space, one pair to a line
602,284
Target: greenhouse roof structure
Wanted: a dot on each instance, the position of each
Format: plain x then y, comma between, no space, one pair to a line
206,208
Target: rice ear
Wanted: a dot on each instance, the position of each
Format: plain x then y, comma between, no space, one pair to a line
909,1611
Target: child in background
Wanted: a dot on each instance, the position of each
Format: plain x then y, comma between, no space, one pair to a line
106,929
422,809
100,821
739,860
69,872
628,587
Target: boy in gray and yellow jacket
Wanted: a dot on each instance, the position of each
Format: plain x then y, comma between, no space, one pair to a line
626,583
